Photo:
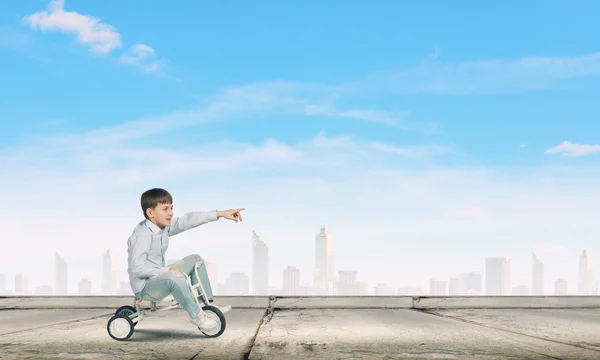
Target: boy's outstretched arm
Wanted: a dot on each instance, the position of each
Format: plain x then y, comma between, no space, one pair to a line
197,218
231,214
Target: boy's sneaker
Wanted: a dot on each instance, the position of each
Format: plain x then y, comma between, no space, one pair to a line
204,322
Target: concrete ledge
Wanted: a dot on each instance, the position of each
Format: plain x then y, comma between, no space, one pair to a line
317,302
342,302
113,302
506,302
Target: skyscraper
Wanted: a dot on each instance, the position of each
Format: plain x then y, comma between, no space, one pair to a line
537,276
236,284
382,289
85,287
260,266
497,276
291,281
473,282
466,284
586,275
21,284
109,273
324,275
437,287
561,287
348,284
457,286
61,276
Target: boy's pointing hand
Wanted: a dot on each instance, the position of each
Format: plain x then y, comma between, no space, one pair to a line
231,214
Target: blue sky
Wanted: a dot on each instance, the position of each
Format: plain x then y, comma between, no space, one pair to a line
418,112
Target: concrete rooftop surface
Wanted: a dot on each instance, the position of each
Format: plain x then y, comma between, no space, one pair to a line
369,327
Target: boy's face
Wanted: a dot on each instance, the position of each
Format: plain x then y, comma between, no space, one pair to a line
161,215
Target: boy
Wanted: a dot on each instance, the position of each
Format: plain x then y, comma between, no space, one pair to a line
150,279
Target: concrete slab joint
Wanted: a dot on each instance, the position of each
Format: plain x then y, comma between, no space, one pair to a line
265,319
318,302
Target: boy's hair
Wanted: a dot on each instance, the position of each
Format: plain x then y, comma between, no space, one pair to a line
151,198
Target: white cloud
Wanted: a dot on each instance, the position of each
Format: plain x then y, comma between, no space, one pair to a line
90,31
143,56
482,77
418,152
320,140
120,163
100,37
569,149
399,121
430,76
239,103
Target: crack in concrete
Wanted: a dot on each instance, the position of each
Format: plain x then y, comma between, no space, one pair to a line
265,319
508,331
58,323
196,355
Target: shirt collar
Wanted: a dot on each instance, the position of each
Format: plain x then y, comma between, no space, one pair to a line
152,226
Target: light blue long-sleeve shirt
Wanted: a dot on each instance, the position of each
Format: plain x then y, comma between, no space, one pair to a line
148,244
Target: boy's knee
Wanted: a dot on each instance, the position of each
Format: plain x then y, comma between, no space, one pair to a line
195,258
176,274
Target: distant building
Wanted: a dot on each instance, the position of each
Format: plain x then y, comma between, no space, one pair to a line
466,284
324,273
61,275
497,276
437,287
473,283
21,284
291,281
561,287
305,290
410,291
537,276
238,283
348,284
109,273
84,287
383,289
586,274
260,266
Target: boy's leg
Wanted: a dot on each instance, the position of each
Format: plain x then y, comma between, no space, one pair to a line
175,283
187,265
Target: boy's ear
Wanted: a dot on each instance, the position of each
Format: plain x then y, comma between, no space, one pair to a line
149,212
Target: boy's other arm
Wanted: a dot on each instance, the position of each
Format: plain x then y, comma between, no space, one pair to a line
191,220
139,247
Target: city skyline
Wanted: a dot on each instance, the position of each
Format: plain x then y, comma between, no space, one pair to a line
496,279
426,157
